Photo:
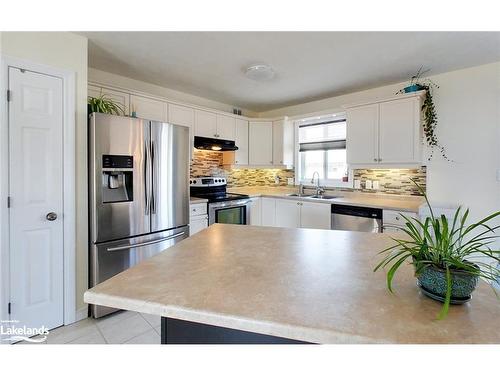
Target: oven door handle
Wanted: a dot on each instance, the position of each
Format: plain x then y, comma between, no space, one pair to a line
126,247
230,203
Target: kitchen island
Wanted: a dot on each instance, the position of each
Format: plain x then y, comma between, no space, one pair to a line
249,284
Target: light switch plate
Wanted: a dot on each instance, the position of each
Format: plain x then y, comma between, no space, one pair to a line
376,185
368,184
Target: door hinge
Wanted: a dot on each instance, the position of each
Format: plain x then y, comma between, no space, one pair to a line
9,308
9,95
8,202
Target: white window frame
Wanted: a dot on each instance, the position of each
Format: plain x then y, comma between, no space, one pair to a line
323,182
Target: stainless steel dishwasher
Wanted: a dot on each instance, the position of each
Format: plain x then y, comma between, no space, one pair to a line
356,218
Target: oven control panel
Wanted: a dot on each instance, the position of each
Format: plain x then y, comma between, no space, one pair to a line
207,181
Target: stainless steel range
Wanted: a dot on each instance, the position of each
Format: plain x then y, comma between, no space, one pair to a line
138,192
223,207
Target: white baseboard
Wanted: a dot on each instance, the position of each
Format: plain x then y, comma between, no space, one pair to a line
82,313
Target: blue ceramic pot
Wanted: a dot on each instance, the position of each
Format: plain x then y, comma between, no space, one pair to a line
433,279
413,88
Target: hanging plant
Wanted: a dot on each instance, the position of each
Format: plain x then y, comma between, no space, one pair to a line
428,111
102,104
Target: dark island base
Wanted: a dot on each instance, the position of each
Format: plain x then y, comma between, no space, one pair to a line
175,331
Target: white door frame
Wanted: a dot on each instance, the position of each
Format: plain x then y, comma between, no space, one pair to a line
69,212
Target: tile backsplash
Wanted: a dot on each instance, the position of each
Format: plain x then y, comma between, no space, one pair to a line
391,181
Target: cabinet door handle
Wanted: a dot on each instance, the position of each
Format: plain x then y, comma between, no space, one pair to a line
375,159
379,159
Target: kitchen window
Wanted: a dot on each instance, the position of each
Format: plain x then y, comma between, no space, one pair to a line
322,149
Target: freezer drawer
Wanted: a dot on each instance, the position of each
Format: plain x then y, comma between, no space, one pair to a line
111,258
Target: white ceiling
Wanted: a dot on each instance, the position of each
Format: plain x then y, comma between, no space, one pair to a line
308,65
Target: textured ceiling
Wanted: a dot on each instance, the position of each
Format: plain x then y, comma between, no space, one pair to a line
308,65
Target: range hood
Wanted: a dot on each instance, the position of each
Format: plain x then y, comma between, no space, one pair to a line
214,144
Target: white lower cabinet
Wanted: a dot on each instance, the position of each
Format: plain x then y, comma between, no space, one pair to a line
255,211
315,215
198,218
287,213
268,210
197,224
290,213
393,221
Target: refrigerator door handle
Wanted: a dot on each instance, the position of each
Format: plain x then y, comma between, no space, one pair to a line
146,193
126,247
153,184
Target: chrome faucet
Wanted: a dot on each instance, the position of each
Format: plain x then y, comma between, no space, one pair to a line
301,189
319,190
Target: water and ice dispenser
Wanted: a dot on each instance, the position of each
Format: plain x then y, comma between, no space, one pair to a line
117,178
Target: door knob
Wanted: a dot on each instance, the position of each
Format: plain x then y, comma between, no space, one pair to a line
51,216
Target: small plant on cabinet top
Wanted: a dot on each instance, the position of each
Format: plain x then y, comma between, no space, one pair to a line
102,104
428,109
449,256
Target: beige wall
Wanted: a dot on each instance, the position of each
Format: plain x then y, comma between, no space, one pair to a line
67,51
468,105
111,79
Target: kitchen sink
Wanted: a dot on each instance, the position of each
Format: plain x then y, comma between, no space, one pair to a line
325,197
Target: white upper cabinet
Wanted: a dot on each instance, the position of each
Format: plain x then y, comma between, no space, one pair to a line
283,143
211,125
122,98
260,143
362,134
399,131
180,115
386,132
315,215
287,213
147,108
205,124
241,140
226,127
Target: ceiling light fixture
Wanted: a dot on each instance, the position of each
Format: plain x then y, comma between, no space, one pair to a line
260,72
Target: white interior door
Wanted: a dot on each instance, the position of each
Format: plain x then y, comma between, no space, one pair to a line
36,193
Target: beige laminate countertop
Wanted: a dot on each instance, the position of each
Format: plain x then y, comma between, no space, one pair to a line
376,200
194,200
303,284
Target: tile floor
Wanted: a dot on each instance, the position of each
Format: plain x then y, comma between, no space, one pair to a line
124,327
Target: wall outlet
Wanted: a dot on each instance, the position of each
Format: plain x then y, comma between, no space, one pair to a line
357,184
291,181
368,184
376,185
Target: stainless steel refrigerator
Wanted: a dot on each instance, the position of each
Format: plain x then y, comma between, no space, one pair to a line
138,192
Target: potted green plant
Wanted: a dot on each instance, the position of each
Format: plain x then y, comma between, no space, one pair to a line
429,114
449,256
103,104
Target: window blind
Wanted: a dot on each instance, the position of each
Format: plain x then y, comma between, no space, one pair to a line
329,135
